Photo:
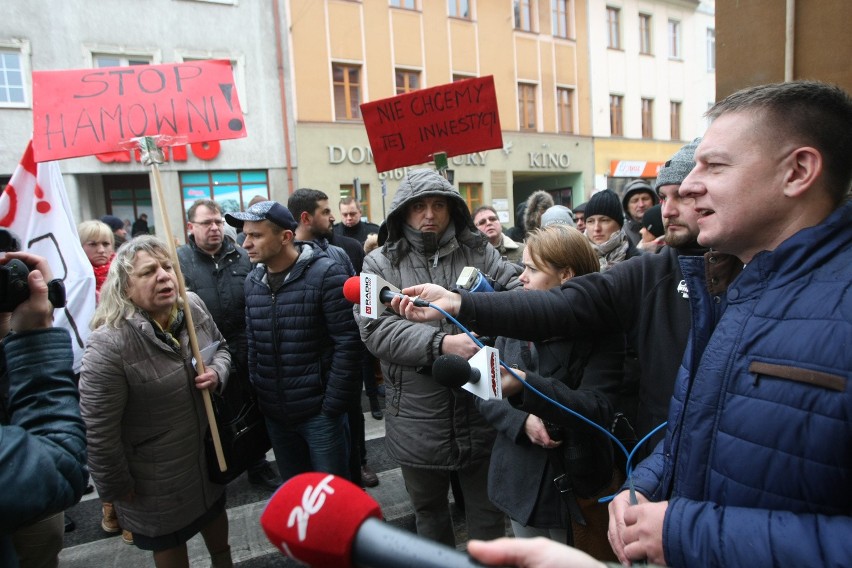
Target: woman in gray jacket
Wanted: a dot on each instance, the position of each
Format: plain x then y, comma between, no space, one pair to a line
141,400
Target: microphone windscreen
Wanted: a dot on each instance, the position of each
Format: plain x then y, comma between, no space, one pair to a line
352,289
314,517
451,370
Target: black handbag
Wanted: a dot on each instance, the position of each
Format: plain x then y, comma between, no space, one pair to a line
244,439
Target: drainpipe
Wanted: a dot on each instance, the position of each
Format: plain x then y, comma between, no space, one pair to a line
279,62
790,40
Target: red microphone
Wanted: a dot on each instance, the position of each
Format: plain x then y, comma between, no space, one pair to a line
385,292
328,522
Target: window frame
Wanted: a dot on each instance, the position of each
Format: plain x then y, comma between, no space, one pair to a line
675,48
406,75
523,8
711,50
647,118
646,36
467,189
454,8
238,67
616,115
675,118
560,15
347,91
213,184
565,110
412,4
613,27
21,47
526,103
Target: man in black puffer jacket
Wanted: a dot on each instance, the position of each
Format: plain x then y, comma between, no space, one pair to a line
303,344
215,268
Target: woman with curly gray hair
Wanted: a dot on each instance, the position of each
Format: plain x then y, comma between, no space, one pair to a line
140,398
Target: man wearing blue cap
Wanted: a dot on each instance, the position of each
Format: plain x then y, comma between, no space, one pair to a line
304,345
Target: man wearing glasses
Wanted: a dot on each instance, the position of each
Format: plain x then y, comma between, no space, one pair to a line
485,219
215,268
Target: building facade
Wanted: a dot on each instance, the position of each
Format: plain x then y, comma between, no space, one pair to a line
40,35
653,78
345,52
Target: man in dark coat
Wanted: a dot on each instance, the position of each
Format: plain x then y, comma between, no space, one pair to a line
215,269
303,343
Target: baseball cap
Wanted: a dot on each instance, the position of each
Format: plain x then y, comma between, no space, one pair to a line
268,210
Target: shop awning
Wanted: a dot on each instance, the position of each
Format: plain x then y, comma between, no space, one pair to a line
634,168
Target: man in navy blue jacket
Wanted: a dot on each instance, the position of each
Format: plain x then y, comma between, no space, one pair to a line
755,466
303,343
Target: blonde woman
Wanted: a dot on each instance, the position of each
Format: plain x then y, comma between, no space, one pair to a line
539,443
140,398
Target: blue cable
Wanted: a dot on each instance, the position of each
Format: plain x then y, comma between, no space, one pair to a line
628,455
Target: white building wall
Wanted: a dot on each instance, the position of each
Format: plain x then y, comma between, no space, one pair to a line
625,72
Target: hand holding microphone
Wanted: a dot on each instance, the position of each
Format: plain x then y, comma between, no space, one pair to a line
325,521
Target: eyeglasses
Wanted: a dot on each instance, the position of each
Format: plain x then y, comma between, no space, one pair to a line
206,224
491,219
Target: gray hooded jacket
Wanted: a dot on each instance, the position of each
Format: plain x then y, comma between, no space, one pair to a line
428,425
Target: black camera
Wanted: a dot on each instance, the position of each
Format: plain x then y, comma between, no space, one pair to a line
14,288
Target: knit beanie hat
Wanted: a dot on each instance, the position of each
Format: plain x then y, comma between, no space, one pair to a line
653,221
675,170
606,202
558,215
581,208
114,222
637,186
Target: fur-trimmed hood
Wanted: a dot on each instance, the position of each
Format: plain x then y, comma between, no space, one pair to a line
537,204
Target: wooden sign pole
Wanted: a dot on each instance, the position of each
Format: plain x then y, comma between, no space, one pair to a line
152,155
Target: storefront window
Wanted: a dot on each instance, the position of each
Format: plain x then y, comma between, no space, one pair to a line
231,189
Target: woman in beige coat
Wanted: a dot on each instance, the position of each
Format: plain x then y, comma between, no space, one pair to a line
141,400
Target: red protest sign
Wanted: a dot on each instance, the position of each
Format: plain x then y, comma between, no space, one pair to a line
456,118
80,112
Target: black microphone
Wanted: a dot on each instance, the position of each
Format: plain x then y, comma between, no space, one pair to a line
453,371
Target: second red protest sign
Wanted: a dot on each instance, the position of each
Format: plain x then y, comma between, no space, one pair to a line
456,118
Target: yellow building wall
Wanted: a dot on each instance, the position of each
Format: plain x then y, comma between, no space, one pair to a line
381,38
608,149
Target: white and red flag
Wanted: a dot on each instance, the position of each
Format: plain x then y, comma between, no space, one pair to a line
35,207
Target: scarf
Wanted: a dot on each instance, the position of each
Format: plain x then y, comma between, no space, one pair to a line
170,335
100,277
612,251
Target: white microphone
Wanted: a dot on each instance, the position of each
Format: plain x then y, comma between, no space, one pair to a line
480,375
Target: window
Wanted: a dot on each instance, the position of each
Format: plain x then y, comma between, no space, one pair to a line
711,49
526,106
616,126
348,190
675,120
460,77
674,39
237,67
231,189
407,81
128,196
472,194
524,15
407,4
647,118
565,109
560,16
347,91
645,34
107,60
459,8
12,76
613,28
